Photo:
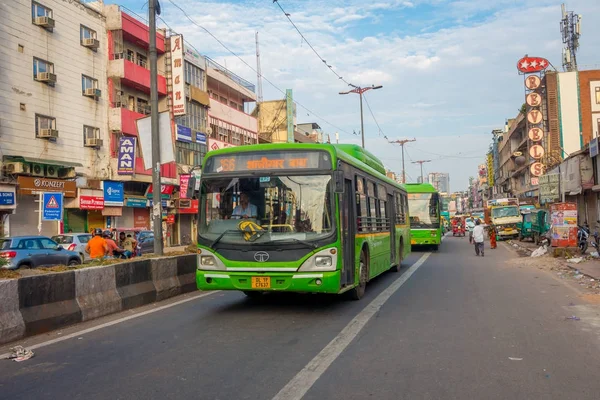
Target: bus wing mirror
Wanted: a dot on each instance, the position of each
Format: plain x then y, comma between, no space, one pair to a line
338,177
191,189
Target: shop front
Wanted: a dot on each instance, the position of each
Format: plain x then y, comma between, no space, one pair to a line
26,217
187,211
8,204
84,213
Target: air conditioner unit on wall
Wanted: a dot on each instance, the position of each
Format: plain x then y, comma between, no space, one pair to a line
92,92
90,43
48,133
47,77
37,170
67,173
93,142
16,168
44,22
52,171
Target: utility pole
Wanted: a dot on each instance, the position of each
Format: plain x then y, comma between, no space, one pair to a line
421,162
156,192
360,91
402,143
258,74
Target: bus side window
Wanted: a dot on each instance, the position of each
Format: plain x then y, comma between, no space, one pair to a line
373,206
361,205
382,196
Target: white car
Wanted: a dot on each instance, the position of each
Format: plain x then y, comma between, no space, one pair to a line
75,242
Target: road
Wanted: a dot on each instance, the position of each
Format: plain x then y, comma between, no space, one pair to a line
460,327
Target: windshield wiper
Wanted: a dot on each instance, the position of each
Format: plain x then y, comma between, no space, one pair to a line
218,239
304,242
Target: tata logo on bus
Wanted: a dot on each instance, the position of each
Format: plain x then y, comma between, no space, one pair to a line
528,65
261,256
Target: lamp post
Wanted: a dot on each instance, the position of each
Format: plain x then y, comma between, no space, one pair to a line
421,162
360,91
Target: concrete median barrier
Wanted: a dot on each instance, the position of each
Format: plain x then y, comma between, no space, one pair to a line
12,326
48,302
134,283
164,276
186,272
96,292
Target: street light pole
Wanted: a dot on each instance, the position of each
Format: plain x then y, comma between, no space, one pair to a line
421,162
156,192
360,91
402,143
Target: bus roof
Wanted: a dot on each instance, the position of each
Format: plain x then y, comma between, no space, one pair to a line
419,188
351,153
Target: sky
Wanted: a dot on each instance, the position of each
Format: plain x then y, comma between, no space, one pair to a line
448,68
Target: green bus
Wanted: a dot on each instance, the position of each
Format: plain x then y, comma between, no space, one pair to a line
312,218
425,216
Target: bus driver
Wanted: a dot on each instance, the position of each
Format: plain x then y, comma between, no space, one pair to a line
244,209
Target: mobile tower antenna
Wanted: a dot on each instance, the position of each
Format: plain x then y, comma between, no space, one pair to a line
570,27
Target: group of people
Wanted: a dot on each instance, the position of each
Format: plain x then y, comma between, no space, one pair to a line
478,237
102,245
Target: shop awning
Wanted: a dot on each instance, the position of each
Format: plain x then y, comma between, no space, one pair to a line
41,161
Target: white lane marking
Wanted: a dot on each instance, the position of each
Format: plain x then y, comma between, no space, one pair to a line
111,323
300,276
306,378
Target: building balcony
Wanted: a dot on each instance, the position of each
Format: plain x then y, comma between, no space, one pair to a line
134,31
133,75
232,116
122,119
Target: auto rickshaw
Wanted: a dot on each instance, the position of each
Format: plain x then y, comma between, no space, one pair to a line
539,225
458,226
524,227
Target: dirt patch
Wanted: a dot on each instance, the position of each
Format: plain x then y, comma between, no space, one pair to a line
9,274
592,298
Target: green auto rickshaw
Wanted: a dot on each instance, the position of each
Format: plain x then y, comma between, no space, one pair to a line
525,226
540,225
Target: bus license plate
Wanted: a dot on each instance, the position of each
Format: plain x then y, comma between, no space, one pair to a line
261,282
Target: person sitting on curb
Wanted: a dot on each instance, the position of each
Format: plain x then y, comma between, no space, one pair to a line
113,249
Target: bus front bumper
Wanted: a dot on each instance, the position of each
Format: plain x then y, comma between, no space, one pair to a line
308,282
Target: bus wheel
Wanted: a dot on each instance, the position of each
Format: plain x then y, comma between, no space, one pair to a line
398,267
436,247
252,294
359,291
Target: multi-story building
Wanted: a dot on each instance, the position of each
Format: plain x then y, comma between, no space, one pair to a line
440,181
53,135
229,123
128,75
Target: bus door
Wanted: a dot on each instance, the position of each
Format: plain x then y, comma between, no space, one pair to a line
392,223
347,208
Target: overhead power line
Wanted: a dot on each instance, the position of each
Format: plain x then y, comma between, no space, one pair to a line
287,15
374,119
252,68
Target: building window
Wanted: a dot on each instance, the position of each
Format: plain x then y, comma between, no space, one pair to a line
86,33
195,117
88,83
194,75
90,132
598,95
143,107
40,65
44,122
142,61
223,99
190,153
38,10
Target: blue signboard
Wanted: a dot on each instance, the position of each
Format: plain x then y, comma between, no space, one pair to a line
114,194
135,202
126,159
52,206
594,147
163,203
200,138
184,134
7,198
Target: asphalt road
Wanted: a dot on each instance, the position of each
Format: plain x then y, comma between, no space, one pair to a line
460,327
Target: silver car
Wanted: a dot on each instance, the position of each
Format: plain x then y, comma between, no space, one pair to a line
35,251
75,242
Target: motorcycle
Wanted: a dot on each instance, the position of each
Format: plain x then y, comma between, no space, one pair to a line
584,239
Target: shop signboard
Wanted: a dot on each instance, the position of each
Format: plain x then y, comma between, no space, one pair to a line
126,157
184,181
7,197
114,195
52,206
594,147
564,224
136,202
177,72
193,209
549,188
170,219
31,185
184,134
91,202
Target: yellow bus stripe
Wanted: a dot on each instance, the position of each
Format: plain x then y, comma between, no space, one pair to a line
362,235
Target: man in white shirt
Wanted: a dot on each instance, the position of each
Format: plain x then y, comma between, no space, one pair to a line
478,237
244,209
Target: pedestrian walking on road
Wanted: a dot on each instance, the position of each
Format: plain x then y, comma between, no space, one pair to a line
492,237
478,237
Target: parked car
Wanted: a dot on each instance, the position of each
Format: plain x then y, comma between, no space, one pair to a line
146,245
75,242
35,251
141,235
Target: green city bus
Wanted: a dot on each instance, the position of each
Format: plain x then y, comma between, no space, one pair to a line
312,218
425,216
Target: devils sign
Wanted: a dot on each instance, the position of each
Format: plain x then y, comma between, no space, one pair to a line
528,65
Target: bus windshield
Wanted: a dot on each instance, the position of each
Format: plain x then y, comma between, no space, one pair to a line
424,210
283,208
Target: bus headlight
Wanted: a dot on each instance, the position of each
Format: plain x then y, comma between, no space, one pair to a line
324,260
208,261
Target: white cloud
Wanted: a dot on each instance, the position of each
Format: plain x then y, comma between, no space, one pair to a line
458,80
